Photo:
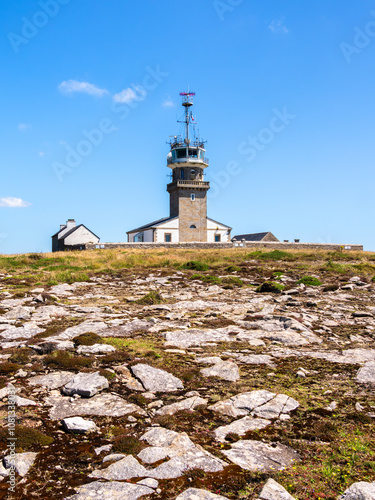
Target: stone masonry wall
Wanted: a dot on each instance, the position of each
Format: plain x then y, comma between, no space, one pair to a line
250,244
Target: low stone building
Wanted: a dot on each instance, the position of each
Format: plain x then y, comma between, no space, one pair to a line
73,237
267,236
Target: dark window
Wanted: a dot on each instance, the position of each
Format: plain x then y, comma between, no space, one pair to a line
217,238
168,237
193,153
182,174
192,197
192,174
181,153
193,227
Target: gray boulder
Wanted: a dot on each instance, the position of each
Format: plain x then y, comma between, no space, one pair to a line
52,380
22,462
155,380
185,404
240,427
366,374
78,425
359,491
226,370
259,456
111,491
197,494
274,491
86,385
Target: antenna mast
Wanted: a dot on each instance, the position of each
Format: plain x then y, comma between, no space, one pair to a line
187,102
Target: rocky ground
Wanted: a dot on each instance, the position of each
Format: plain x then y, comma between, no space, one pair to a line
189,384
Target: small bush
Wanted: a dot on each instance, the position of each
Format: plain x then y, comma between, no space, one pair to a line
270,287
373,278
195,265
232,280
331,288
274,255
88,338
232,269
207,279
127,444
67,361
151,298
27,438
21,356
107,374
309,281
9,367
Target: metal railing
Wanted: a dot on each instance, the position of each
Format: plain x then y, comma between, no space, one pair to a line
188,160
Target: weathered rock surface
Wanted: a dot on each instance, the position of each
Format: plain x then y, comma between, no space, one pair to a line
95,349
155,380
259,456
109,405
240,427
52,380
185,404
22,462
86,385
274,491
366,374
197,494
227,370
111,491
359,491
78,425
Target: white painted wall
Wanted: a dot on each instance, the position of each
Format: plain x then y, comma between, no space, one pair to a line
214,228
148,236
171,227
81,236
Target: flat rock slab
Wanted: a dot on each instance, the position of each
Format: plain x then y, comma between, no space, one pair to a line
85,327
274,491
24,401
85,385
52,380
185,404
261,403
197,494
95,349
366,374
109,405
22,462
123,469
111,491
155,380
26,331
240,427
359,491
78,425
259,456
227,370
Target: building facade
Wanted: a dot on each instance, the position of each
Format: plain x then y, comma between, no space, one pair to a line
72,237
188,221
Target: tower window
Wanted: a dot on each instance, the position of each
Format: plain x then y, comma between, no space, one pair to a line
192,174
192,197
182,174
168,237
193,227
217,238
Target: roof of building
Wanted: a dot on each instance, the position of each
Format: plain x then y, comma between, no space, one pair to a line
72,231
221,224
151,225
251,237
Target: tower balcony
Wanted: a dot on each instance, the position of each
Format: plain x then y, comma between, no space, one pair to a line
188,184
201,161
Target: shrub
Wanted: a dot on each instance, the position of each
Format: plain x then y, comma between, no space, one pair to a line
151,298
270,287
274,255
232,269
331,288
206,279
373,278
232,280
21,356
27,438
195,265
67,361
309,281
127,444
88,338
8,367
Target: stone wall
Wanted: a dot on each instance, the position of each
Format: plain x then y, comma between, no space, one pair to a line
261,245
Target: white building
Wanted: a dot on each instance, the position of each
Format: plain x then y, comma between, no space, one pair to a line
72,237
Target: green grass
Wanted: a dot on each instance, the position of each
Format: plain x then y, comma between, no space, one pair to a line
309,281
274,255
151,298
195,265
270,287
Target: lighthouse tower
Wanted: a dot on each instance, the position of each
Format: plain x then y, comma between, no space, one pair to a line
187,221
188,189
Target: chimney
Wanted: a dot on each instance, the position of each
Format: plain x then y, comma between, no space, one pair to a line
70,223
62,226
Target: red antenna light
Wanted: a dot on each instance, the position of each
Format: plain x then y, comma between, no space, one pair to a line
183,94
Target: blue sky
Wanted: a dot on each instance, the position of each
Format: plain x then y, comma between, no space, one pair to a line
111,72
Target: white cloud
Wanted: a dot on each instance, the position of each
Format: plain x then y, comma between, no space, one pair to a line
72,86
11,202
168,103
278,26
129,95
23,126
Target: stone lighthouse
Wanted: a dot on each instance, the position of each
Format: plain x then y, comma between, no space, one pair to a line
188,221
